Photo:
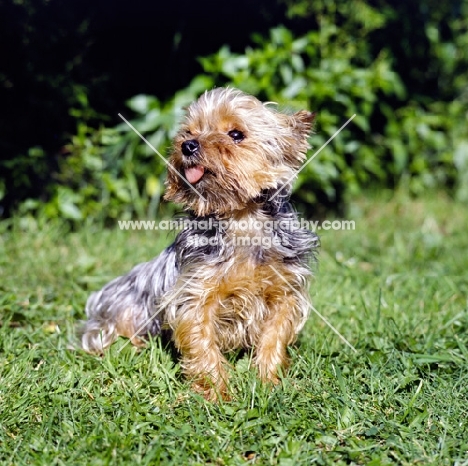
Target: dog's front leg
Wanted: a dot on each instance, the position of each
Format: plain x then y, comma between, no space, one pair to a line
196,338
277,332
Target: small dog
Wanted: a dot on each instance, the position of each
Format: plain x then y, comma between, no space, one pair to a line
241,281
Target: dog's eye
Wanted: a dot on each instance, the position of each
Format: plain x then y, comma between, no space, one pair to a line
236,135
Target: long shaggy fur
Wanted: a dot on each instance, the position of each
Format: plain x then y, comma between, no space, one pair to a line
215,292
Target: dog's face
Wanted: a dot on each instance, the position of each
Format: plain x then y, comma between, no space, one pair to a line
230,148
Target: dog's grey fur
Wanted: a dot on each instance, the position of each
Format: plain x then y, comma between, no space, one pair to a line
143,291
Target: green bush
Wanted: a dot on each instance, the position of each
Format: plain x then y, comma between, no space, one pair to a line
110,173
429,146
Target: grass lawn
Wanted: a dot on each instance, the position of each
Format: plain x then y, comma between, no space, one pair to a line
396,288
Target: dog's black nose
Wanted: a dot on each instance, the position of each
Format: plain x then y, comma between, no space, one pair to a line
190,147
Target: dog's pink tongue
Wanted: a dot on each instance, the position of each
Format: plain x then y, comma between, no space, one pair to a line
194,174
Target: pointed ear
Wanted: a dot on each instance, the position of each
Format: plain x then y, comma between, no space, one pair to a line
304,122
300,127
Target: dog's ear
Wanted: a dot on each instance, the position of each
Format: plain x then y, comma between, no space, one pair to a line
303,122
300,126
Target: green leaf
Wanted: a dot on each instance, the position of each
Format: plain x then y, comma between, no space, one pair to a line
142,103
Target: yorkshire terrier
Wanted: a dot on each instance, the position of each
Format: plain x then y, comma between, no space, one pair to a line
237,276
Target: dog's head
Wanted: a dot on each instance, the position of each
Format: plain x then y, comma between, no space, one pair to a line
230,148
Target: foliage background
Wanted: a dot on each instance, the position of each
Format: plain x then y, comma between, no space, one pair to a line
401,68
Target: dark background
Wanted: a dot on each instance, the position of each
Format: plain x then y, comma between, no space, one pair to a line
114,50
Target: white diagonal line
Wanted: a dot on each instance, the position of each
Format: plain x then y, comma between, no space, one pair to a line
312,158
317,312
333,328
160,306
162,158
